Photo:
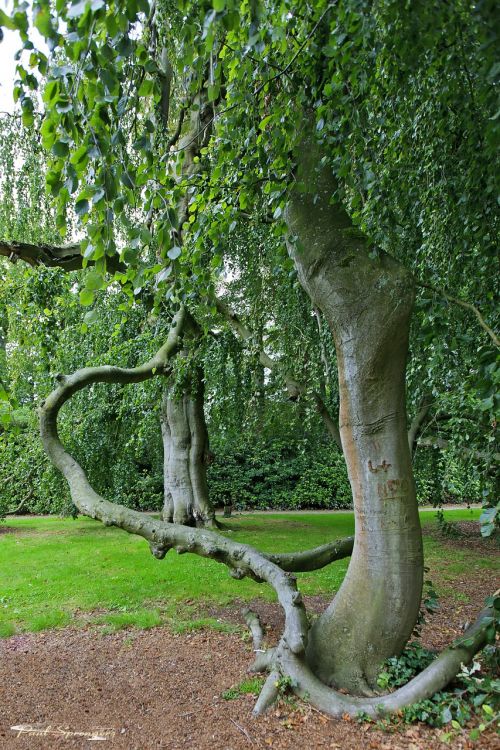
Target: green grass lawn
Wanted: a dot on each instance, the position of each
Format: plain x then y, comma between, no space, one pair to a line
54,571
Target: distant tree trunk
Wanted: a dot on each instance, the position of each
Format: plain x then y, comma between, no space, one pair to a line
366,298
186,456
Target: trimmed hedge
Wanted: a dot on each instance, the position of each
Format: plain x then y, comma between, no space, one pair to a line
270,474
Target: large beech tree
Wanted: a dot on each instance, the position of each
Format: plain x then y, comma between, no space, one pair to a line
180,121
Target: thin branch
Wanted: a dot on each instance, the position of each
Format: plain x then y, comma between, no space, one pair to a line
466,306
173,140
418,421
262,86
435,441
256,59
289,65
242,730
294,387
313,559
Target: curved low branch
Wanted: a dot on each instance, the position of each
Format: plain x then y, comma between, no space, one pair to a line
432,679
313,559
289,656
242,559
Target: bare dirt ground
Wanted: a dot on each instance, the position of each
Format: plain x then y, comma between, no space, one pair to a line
142,690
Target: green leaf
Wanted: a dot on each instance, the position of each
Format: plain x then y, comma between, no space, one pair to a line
60,148
50,93
6,21
94,281
86,297
43,22
91,317
174,252
146,87
82,207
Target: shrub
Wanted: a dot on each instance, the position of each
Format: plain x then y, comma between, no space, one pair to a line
278,475
324,484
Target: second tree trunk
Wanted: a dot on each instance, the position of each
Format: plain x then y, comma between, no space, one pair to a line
186,456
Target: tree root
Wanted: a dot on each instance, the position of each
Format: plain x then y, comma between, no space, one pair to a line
431,680
268,694
288,659
252,619
263,661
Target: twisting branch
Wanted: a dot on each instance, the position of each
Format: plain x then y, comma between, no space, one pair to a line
467,306
294,387
432,679
242,559
313,559
288,658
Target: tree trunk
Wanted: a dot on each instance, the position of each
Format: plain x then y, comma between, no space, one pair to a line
186,455
366,298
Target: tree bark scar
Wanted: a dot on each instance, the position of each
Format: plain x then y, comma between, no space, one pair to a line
393,488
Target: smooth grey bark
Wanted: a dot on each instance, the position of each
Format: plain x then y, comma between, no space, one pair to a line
366,297
186,456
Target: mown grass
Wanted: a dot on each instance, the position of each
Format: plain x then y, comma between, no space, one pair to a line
54,571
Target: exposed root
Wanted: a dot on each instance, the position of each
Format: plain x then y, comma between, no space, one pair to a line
432,679
252,619
263,661
268,694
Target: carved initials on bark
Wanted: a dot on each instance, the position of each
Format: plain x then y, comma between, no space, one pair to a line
393,488
381,467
